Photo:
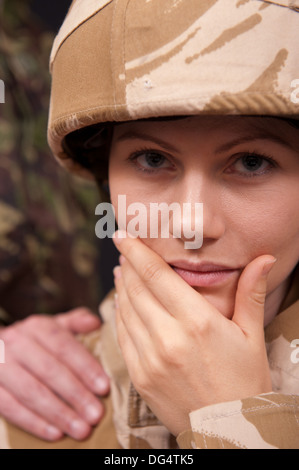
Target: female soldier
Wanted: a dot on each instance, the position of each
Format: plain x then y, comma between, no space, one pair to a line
188,101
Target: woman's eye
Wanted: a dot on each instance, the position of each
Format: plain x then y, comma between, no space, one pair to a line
252,165
149,160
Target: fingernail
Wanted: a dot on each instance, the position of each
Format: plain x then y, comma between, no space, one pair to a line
268,266
79,429
101,385
117,272
118,236
53,433
92,414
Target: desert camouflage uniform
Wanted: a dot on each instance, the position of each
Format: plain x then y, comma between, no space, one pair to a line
134,68
49,254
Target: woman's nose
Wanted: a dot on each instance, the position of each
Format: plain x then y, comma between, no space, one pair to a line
202,213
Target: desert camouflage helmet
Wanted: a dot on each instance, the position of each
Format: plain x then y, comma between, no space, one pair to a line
120,60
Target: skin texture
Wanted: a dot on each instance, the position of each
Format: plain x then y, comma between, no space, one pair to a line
247,206
49,381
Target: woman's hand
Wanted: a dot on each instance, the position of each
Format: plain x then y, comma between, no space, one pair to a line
49,380
181,352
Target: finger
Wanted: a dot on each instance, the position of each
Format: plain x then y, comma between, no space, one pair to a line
14,412
251,295
68,350
149,310
132,323
126,345
37,398
59,378
161,279
79,320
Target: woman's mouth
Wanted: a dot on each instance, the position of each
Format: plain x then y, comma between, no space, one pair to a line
204,274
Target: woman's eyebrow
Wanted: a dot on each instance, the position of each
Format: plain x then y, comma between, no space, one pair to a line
252,137
243,139
134,135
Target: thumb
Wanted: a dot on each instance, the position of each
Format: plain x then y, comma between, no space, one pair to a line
251,295
78,320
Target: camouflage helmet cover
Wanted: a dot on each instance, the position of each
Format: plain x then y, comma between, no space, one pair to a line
121,60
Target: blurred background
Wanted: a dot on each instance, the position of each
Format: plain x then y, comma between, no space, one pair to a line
50,258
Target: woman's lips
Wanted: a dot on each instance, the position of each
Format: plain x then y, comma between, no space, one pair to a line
204,275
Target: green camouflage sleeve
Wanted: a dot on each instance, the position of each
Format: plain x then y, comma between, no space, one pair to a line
49,253
268,421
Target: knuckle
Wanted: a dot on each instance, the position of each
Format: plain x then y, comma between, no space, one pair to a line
258,298
142,384
63,350
35,323
27,395
10,335
172,354
32,321
60,342
168,350
199,328
77,312
135,289
154,368
15,344
150,371
51,371
82,310
152,271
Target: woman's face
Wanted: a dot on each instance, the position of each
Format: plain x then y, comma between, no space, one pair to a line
245,172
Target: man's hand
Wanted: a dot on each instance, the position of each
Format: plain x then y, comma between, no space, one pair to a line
49,381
